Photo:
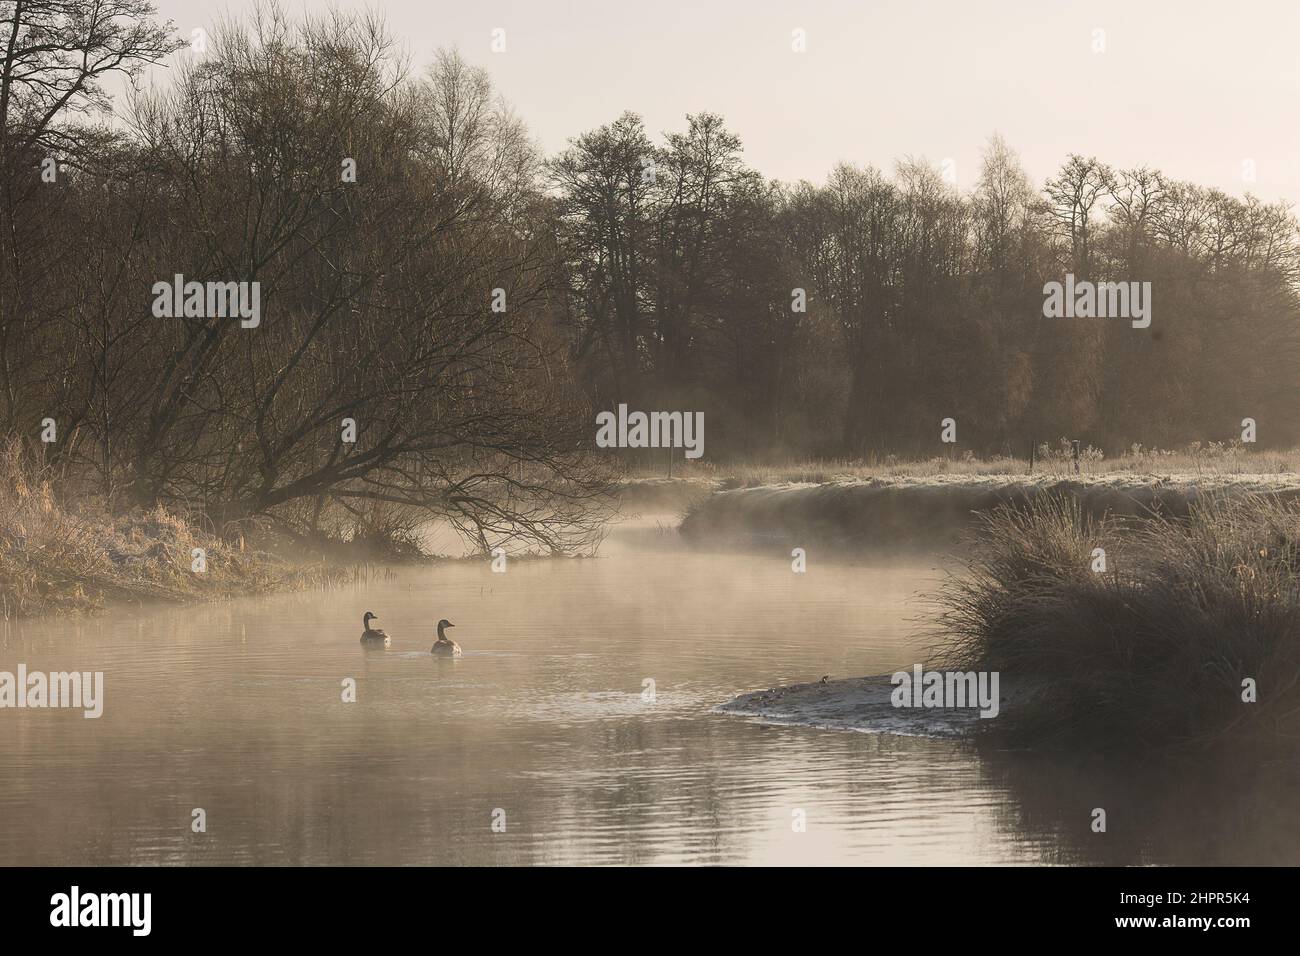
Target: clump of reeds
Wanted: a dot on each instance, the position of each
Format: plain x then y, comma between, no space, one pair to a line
1154,650
55,557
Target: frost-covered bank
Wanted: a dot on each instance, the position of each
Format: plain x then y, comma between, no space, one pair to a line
1104,634
934,511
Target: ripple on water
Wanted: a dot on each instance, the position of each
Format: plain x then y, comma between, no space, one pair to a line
237,708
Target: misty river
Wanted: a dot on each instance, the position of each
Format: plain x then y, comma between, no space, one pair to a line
547,742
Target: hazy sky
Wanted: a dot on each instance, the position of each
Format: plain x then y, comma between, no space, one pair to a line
1192,87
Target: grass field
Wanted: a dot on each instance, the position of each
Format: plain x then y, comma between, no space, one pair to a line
1212,459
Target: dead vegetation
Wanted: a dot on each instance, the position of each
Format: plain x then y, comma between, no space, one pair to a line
57,557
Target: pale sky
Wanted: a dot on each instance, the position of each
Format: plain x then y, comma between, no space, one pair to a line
1192,87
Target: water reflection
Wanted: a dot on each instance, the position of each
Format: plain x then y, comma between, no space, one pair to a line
237,708
1221,808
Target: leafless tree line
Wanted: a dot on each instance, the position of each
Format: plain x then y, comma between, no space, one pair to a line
923,301
661,272
378,291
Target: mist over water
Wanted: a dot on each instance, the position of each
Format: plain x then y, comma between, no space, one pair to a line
236,708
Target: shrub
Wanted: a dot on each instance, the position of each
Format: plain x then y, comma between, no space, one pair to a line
1156,649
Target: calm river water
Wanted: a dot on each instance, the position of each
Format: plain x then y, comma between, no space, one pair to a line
236,708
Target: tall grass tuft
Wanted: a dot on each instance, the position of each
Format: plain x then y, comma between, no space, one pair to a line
1153,651
56,557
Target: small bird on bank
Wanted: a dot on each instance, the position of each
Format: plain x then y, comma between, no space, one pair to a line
373,637
445,646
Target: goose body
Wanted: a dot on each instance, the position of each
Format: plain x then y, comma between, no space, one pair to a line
445,646
371,636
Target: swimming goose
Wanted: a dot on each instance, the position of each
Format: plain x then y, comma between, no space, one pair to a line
445,646
373,637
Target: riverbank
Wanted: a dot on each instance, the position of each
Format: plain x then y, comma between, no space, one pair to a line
1106,633
938,511
58,557
1170,630
863,704
54,561
1198,459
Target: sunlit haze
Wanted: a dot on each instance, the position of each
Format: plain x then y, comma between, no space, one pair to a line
1193,89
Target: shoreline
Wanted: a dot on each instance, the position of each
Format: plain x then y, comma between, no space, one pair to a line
863,705
57,561
76,564
939,510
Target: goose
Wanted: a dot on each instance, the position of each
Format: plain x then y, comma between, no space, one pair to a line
373,637
445,646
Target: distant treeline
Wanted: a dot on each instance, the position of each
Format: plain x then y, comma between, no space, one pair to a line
923,302
469,304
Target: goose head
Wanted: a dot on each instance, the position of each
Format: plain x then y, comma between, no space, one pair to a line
366,620
443,625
